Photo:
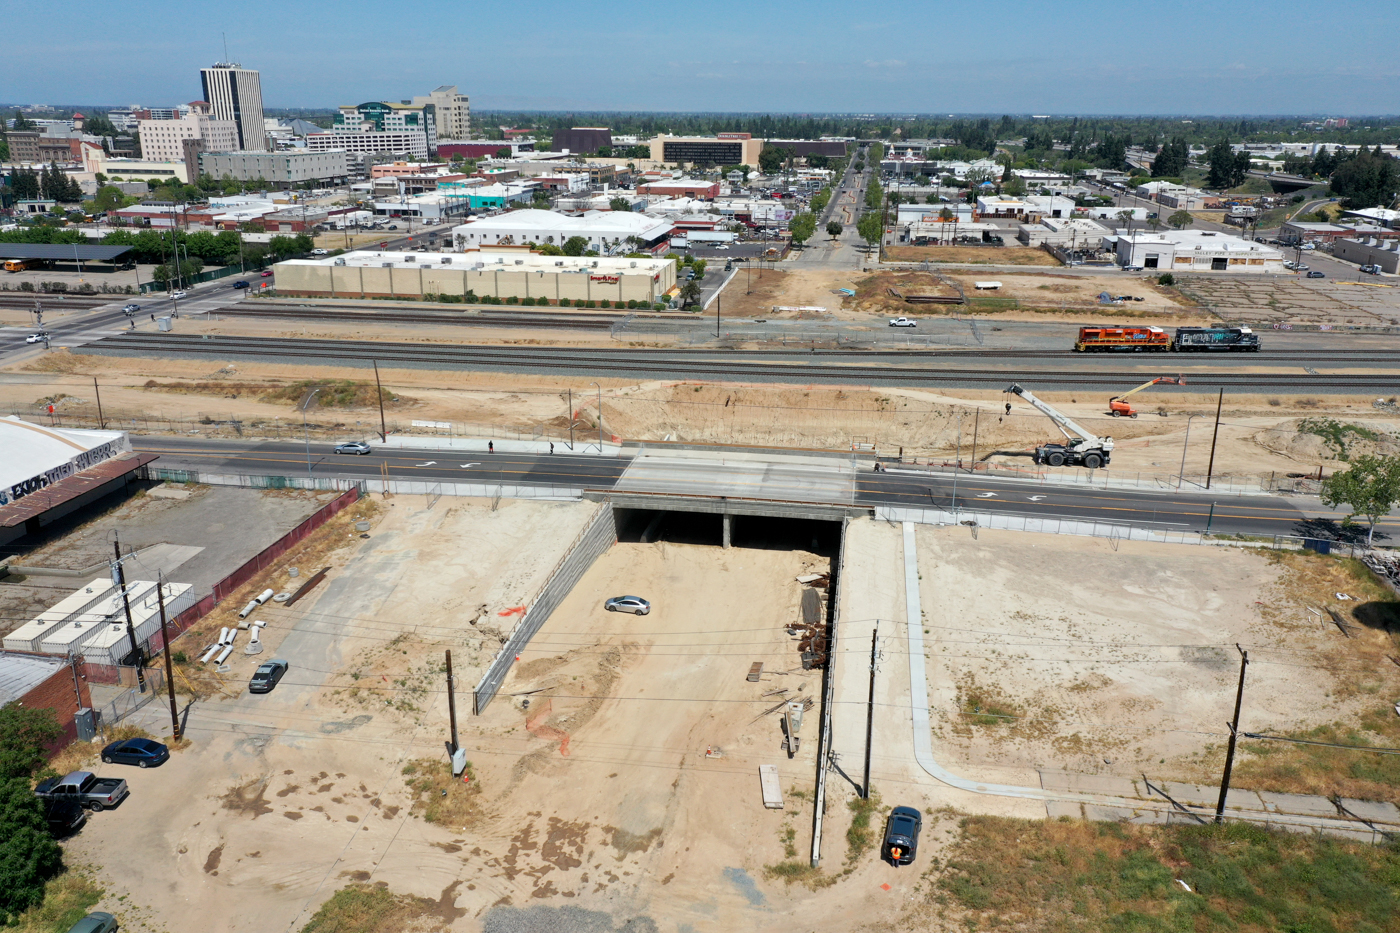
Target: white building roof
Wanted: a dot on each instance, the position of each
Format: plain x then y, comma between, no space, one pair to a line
31,449
1204,240
511,258
21,673
590,224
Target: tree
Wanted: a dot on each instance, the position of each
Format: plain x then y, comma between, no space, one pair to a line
817,160
802,227
1172,160
870,228
690,293
25,735
108,198
1126,216
29,856
1367,179
1015,186
620,204
1371,486
575,246
1222,165
772,158
99,125
1181,220
834,228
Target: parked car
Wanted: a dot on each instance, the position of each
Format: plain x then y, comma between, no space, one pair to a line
1314,274
352,447
93,792
1132,268
633,604
177,295
96,922
393,226
1301,267
267,273
131,308
38,337
267,676
1308,247
144,753
240,284
318,252
64,817
1371,269
903,322
902,836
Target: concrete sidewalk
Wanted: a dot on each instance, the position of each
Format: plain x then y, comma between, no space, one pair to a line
479,445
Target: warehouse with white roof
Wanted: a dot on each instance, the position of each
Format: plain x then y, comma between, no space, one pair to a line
607,232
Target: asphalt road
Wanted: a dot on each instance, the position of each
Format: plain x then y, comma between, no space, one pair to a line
1165,510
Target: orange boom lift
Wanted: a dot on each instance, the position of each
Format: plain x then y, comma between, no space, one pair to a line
1118,406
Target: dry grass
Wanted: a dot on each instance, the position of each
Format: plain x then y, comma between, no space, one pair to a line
373,908
973,255
440,798
67,899
80,756
1069,875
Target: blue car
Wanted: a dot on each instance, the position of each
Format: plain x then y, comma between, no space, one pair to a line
144,753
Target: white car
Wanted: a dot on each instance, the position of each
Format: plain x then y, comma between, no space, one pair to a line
903,322
40,337
1308,246
177,295
318,252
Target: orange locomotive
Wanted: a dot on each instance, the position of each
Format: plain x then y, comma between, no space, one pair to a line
1103,339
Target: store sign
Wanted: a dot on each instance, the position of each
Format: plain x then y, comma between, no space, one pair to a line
43,480
606,279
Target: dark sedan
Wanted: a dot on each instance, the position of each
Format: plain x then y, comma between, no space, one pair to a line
266,676
902,836
144,753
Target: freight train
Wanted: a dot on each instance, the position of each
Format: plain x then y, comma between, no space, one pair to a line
1155,339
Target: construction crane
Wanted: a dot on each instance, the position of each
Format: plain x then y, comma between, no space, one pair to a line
1118,406
1084,448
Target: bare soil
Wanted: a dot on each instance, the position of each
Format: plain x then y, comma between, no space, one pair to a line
992,256
1137,633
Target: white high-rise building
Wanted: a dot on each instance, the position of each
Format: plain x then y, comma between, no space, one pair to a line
163,140
454,111
235,93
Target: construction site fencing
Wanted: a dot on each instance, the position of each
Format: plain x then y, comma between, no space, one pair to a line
1225,484
135,697
828,692
596,537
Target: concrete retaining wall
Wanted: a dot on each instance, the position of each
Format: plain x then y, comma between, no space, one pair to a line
596,537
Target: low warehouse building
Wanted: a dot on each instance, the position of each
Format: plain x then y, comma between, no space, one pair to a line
1197,251
1369,252
505,272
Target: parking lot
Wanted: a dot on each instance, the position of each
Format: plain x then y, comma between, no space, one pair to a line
1269,301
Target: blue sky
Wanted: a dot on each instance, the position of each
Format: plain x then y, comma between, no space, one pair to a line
1017,56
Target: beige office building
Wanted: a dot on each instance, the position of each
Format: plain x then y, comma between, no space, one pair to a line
453,110
164,140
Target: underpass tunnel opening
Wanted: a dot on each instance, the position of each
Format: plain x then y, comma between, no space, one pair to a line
766,532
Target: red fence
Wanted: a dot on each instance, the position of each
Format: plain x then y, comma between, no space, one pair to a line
257,563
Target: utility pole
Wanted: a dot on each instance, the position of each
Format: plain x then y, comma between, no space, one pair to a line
452,709
169,671
716,316
120,575
379,393
569,416
600,417
976,419
1234,734
1211,468
101,421
870,711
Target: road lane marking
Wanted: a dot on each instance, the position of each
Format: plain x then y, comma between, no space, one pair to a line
467,465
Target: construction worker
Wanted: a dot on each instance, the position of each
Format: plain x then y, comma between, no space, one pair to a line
895,853
491,447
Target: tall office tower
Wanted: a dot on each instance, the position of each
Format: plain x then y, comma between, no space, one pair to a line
235,93
453,111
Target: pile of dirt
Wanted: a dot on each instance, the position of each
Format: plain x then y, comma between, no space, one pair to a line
884,293
1321,440
973,255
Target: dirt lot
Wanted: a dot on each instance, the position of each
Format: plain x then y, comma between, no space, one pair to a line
1139,634
973,255
596,800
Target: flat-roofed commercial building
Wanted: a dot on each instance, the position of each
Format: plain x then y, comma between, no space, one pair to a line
283,169
584,140
722,149
619,231
501,272
681,188
1197,251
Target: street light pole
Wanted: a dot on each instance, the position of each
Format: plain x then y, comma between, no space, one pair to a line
306,437
1182,472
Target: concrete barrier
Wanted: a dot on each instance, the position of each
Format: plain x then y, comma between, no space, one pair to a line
596,537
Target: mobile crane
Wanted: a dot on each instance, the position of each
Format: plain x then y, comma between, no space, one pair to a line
1118,406
1083,448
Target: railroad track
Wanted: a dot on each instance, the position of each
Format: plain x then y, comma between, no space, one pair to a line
621,362
24,301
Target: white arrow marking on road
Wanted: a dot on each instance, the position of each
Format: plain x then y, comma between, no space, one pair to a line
429,463
1035,498
986,495
466,465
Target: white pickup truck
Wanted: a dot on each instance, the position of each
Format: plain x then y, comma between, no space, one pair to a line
903,322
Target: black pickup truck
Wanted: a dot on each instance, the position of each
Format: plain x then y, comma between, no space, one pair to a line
89,790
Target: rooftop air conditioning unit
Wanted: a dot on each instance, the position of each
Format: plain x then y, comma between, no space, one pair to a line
446,260
520,262
559,263
386,265
634,265
340,262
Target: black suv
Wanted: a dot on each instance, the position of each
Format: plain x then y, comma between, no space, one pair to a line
902,836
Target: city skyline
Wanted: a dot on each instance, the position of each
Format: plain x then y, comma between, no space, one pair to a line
1072,58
